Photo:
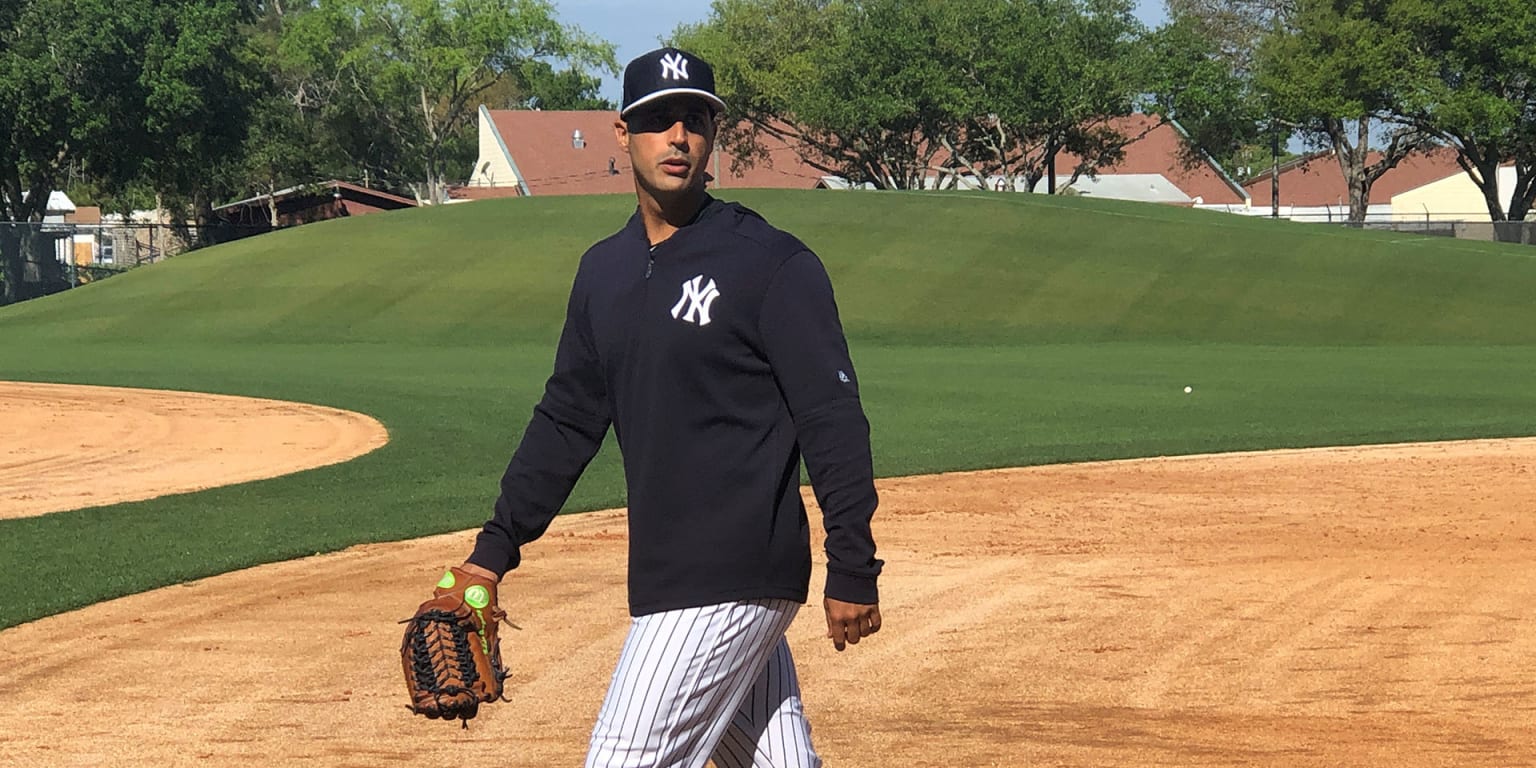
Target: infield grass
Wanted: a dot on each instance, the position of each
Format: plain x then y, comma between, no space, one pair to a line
989,331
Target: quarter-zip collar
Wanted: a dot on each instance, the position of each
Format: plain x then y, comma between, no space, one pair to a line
635,228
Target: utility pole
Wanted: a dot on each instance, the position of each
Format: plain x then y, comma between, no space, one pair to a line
1274,172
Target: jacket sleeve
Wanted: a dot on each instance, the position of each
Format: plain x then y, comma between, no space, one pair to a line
566,430
804,342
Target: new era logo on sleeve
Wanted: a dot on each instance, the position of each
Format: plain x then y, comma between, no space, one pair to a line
674,66
697,296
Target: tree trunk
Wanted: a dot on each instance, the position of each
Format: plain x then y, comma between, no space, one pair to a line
35,269
1359,196
1360,181
434,149
1491,197
1274,175
1050,167
1032,176
1523,196
977,171
1351,158
272,201
1482,168
10,262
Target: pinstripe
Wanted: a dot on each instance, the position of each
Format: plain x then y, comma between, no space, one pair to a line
770,730
797,724
683,679
626,657
744,661
680,724
675,680
647,638
732,749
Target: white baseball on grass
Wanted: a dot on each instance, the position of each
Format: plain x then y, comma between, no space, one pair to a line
1188,390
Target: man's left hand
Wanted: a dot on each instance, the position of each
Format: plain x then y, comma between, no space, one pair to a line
848,622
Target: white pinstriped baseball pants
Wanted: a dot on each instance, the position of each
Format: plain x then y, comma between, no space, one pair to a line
710,682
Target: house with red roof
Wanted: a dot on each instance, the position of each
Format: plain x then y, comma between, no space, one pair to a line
536,152
306,203
1312,188
1155,150
530,152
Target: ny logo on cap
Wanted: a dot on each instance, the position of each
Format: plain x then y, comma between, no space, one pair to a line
674,67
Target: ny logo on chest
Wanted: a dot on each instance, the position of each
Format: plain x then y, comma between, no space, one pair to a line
697,297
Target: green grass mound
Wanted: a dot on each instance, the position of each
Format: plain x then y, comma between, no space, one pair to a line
950,269
989,330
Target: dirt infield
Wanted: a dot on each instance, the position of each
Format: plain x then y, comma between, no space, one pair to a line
68,447
1365,606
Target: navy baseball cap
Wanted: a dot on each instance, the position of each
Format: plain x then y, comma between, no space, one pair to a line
668,72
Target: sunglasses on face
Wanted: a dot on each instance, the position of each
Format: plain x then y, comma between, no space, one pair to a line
697,120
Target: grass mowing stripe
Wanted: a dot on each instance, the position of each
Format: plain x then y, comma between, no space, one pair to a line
914,269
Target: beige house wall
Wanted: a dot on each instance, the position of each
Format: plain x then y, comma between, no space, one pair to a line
493,168
1454,198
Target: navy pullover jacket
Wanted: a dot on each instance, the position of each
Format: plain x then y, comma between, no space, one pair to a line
719,359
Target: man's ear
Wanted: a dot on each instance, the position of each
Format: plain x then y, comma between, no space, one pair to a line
621,134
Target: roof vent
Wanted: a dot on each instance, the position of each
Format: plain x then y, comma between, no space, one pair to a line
577,141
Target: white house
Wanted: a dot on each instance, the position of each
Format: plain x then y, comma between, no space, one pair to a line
1452,198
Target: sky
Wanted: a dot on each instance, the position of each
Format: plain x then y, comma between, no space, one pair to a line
636,27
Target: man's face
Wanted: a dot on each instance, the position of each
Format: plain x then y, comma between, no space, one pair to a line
669,142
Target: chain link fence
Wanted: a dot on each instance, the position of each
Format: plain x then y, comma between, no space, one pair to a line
1521,232
37,259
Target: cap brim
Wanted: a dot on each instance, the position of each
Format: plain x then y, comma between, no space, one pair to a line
664,93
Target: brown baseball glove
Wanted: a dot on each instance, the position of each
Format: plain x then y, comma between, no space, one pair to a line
451,655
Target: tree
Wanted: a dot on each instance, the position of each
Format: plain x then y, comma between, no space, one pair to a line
764,55
880,116
1070,67
779,65
1231,29
1196,82
134,92
200,82
287,139
1480,94
1335,74
62,102
878,91
1213,43
274,154
400,80
536,84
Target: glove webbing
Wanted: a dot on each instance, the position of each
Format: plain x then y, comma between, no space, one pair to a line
429,657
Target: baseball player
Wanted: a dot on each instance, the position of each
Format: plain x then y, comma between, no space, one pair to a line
710,342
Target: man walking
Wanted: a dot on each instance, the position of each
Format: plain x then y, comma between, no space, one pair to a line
711,342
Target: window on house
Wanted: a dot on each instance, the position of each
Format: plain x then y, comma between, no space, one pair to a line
108,251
